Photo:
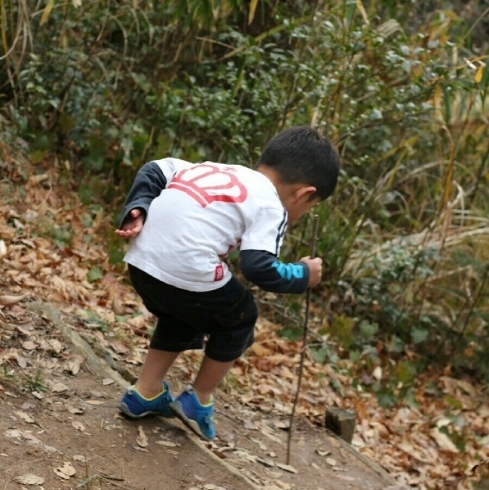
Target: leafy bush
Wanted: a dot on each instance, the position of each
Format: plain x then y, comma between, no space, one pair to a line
106,87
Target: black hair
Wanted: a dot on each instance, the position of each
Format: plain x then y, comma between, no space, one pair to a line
301,155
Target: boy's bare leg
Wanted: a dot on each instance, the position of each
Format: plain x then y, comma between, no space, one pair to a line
209,376
153,372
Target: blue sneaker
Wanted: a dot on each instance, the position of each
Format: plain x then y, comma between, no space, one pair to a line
195,416
135,406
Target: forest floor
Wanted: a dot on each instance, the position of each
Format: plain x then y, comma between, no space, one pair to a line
61,429
73,334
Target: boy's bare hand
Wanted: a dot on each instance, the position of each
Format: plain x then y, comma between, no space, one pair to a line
315,266
133,224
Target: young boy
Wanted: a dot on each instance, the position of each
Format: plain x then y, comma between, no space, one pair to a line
177,263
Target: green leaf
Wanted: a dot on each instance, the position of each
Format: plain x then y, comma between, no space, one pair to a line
323,353
419,335
94,274
405,371
455,403
385,398
395,345
291,333
116,256
37,156
355,356
368,330
85,194
319,354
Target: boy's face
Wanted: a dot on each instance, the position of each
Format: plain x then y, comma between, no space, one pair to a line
298,209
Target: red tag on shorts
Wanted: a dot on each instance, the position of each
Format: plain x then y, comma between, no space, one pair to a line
219,273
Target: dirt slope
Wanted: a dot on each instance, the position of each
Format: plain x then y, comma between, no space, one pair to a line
60,428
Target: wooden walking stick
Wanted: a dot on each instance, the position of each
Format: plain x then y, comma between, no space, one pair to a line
304,338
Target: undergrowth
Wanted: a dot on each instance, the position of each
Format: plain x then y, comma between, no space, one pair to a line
96,89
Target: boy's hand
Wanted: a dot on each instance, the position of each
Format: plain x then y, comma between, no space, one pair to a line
132,225
315,266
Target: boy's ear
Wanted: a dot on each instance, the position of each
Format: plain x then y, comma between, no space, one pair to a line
304,193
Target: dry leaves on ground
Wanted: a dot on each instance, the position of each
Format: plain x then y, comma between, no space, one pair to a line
53,249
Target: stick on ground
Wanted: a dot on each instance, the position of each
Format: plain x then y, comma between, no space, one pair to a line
304,339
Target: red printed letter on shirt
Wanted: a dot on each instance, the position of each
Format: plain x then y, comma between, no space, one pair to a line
207,184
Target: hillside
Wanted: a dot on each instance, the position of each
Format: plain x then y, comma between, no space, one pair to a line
54,258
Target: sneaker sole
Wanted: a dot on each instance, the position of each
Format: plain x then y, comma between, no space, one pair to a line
125,410
191,424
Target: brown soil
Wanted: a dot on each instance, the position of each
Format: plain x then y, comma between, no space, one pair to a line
59,414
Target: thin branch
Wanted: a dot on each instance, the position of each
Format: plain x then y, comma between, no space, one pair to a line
304,339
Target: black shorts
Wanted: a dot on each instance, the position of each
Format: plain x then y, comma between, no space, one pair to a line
226,315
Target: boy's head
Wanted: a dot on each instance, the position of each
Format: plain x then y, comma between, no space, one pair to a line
304,167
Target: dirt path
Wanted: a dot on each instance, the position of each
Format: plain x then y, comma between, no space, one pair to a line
105,450
60,428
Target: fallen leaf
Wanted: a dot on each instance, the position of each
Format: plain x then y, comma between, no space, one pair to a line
249,425
74,410
119,347
219,454
31,438
266,462
323,453
142,449
286,467
281,424
345,477
377,373
55,345
13,434
79,458
28,405
78,426
243,454
67,469
142,440
25,417
21,361
9,299
58,472
29,345
260,444
73,365
59,387
166,443
26,331
467,387
107,381
29,479
443,441
331,461
94,402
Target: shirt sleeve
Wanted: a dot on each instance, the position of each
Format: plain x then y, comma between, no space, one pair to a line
270,274
148,184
